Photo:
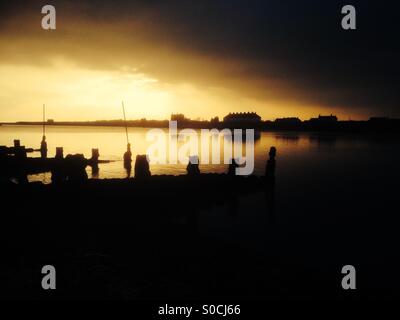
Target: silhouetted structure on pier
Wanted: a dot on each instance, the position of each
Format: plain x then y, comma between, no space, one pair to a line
19,151
142,168
75,168
193,166
72,168
59,153
57,172
94,163
14,164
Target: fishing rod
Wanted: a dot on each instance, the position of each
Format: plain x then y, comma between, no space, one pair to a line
126,126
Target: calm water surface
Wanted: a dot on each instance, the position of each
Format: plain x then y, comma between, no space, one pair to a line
300,155
336,198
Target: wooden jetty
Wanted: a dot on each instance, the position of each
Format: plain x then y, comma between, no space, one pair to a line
15,160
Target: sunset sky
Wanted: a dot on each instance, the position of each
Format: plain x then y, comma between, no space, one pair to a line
201,58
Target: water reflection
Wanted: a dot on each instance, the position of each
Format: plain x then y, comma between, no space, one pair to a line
323,140
288,138
95,171
298,152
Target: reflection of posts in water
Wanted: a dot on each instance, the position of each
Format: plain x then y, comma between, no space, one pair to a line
128,170
43,148
270,167
95,171
142,168
270,184
128,160
270,202
193,166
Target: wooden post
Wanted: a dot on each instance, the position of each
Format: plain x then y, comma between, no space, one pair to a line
95,154
59,153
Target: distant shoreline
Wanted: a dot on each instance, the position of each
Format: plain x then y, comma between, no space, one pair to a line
379,125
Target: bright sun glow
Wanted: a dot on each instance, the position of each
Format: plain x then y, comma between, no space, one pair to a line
91,94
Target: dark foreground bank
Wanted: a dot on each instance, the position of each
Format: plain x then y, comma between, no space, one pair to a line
189,238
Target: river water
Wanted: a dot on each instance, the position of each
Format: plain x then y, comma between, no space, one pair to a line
335,198
299,155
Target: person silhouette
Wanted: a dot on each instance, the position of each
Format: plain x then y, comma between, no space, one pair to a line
128,160
43,148
128,157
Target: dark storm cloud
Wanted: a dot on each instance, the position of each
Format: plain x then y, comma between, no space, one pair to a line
298,43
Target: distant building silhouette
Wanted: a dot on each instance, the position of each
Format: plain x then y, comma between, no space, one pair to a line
290,123
214,120
290,120
178,117
324,119
378,119
242,117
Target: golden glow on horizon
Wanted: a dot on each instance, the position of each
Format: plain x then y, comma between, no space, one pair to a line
78,79
73,94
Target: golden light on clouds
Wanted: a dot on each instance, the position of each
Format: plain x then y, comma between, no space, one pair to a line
73,93
83,70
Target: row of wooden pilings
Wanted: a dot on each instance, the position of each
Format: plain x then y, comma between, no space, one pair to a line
142,167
